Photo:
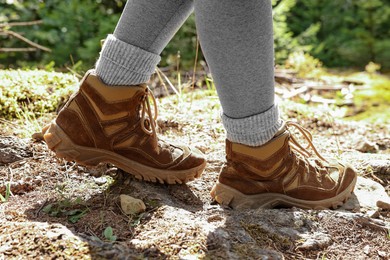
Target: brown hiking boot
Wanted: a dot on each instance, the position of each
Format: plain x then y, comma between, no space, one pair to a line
116,125
281,173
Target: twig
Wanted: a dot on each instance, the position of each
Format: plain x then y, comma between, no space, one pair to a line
372,175
20,37
41,207
369,223
194,72
21,23
168,81
195,64
17,49
296,92
158,71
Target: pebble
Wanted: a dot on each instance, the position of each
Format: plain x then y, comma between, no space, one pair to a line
131,205
383,204
380,166
366,249
373,213
100,180
367,146
382,254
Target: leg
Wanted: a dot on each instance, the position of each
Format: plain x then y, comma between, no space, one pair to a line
130,55
238,34
266,166
116,124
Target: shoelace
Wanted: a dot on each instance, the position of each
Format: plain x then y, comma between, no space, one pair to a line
146,109
307,136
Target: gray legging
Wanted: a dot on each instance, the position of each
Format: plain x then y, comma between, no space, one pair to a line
237,40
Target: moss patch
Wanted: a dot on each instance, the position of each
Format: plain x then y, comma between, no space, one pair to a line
33,91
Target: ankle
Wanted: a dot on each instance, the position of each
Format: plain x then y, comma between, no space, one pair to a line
255,130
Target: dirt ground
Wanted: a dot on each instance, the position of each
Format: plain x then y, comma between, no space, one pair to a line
61,210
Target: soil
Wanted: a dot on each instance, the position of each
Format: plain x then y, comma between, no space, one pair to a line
62,210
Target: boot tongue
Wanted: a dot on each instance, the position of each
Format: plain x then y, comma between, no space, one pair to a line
112,93
264,151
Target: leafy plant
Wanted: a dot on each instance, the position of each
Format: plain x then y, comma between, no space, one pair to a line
348,33
284,40
304,64
136,220
109,234
210,84
66,208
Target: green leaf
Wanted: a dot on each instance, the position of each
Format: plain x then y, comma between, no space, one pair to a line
108,232
2,199
47,208
76,217
73,212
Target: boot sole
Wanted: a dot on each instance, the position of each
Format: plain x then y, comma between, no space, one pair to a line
228,196
63,146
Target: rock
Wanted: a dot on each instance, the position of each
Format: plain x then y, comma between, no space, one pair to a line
318,240
382,254
379,166
131,205
218,239
100,180
366,146
373,213
366,196
37,136
21,237
13,149
36,240
383,204
366,249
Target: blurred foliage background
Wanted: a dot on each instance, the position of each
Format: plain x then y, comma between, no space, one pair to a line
339,33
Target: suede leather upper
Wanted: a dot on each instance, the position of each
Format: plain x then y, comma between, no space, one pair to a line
276,168
104,117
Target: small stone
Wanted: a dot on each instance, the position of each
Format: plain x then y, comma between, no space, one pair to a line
318,240
100,180
382,254
37,136
131,205
379,166
366,249
367,146
383,204
373,213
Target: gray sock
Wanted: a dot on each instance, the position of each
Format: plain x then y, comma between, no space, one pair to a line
253,130
123,64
